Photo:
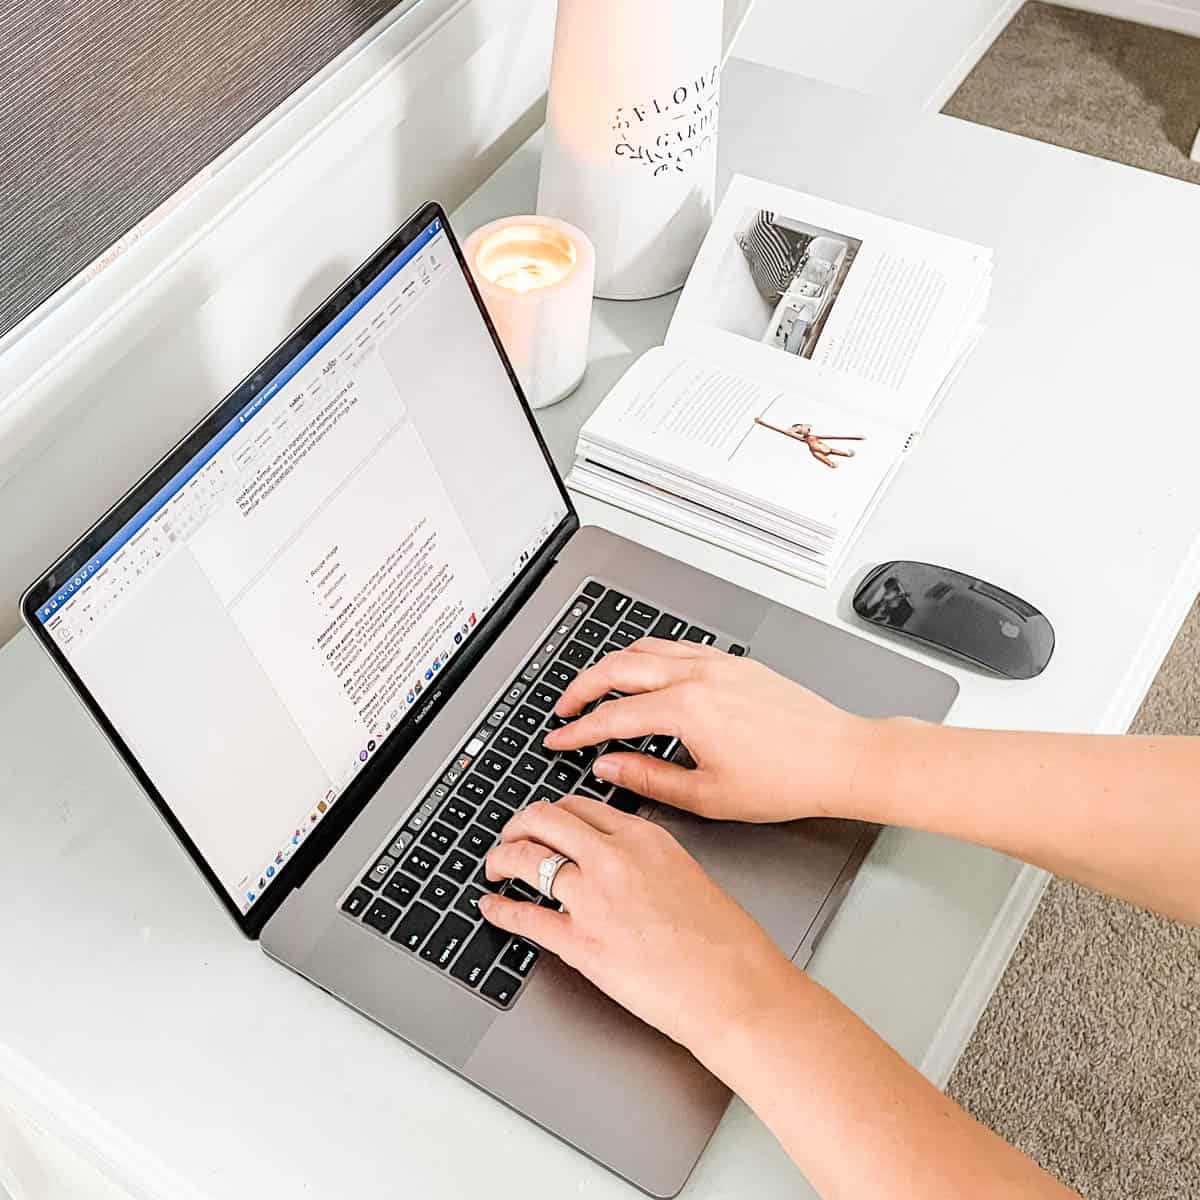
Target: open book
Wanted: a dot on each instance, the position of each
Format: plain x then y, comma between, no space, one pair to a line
810,346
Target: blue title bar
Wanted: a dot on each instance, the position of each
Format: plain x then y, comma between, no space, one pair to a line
202,457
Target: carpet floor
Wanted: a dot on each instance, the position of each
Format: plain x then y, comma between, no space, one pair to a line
1088,1056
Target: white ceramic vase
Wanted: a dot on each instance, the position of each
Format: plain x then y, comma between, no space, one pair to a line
631,136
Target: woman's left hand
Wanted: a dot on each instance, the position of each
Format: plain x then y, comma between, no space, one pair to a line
641,919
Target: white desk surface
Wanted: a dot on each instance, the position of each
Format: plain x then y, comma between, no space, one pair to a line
136,1020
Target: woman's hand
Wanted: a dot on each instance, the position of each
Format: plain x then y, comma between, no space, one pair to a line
641,920
765,748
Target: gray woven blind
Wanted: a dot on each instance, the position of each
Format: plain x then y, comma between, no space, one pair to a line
108,107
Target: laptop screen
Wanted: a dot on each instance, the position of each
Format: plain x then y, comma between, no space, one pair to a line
275,609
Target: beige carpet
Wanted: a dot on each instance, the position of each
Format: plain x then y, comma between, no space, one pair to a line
1088,1056
1091,83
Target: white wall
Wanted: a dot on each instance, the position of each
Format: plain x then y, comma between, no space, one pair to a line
911,50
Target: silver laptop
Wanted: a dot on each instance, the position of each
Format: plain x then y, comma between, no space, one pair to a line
326,634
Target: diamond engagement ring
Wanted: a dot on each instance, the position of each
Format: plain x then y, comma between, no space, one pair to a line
548,871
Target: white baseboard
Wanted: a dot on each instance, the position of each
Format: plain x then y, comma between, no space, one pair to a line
984,975
1182,16
951,82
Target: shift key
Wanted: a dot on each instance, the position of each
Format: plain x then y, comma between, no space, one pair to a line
482,950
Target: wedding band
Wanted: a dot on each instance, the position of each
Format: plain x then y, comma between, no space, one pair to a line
548,871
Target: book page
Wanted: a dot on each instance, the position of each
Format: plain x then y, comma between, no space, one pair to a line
866,312
689,426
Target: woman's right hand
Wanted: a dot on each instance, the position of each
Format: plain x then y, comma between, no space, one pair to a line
765,748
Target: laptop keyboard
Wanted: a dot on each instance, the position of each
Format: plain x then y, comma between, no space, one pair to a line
421,890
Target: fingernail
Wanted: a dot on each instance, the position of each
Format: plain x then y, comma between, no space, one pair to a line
485,902
604,769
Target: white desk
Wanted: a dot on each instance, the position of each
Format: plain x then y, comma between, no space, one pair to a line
136,1021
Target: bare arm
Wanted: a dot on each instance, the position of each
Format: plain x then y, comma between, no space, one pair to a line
1120,814
646,925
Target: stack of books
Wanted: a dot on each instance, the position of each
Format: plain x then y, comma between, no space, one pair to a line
810,347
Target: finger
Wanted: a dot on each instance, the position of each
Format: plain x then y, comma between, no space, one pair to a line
532,922
666,647
628,717
556,827
522,860
647,776
595,813
620,671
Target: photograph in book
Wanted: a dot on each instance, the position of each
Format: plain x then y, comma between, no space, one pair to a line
785,277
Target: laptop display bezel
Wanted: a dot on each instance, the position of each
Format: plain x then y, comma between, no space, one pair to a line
359,792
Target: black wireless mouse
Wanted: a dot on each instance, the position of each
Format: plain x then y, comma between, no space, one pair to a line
958,614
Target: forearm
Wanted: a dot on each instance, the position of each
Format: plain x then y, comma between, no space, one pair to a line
853,1115
1121,814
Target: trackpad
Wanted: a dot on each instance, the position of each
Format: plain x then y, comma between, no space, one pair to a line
781,874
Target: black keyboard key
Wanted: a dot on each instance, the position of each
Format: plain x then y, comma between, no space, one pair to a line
702,636
577,655
495,816
439,837
447,940
543,697
479,953
400,889
626,801
415,926
381,915
468,904
493,765
560,675
580,758
641,614
475,789
606,650
595,786
543,794
592,633
520,957
482,881
530,768
357,901
659,745
420,863
554,721
562,776
458,813
527,720
510,742
512,792
668,627
626,635
375,877
501,987
517,889
737,651
439,892
610,610
458,866
477,841
593,590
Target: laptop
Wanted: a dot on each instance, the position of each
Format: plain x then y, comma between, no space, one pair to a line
326,634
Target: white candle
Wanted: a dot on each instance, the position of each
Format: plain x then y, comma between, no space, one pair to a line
536,276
